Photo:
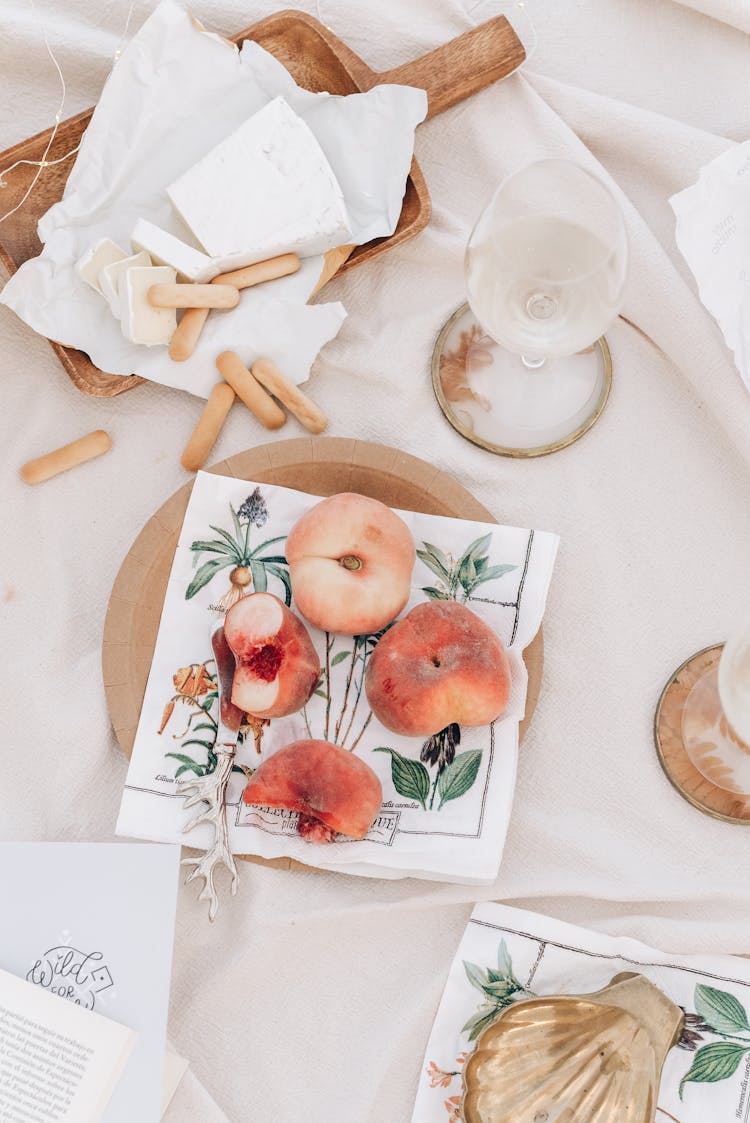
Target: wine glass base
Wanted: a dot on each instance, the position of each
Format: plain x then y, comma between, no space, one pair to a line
495,401
702,758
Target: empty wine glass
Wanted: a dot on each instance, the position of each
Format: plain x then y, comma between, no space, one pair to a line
716,718
522,369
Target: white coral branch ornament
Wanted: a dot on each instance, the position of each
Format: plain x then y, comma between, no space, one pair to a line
211,789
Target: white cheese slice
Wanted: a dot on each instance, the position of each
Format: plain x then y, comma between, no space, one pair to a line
266,189
109,278
141,323
102,253
165,249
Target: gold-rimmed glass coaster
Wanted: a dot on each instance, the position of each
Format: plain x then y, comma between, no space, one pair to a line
700,753
482,389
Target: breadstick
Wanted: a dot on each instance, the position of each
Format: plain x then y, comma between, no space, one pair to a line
290,395
185,338
270,270
209,425
187,333
193,296
233,370
77,452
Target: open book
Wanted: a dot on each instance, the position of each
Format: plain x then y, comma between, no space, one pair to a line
59,1063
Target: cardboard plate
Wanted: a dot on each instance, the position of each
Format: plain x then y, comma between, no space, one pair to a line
320,466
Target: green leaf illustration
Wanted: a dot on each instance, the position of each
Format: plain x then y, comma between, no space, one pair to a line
476,976
714,1062
187,763
237,524
188,768
207,745
203,575
467,574
213,546
721,1010
436,594
484,1017
478,547
410,777
260,581
504,962
458,777
236,546
283,576
435,560
270,542
340,657
494,572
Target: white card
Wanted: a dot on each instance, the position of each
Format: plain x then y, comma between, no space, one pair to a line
93,925
58,1061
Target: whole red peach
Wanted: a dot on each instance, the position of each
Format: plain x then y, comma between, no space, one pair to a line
350,561
440,664
277,666
332,789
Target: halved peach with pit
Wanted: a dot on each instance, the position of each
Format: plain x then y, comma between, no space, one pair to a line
277,666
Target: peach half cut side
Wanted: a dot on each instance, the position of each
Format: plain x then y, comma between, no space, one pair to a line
277,666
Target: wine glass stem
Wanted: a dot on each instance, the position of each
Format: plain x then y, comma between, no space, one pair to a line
532,364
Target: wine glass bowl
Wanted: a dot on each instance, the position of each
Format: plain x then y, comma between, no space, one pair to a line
523,368
546,262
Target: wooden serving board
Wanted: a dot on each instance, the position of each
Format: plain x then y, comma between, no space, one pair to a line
318,61
319,466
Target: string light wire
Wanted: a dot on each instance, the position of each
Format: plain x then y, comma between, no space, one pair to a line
40,165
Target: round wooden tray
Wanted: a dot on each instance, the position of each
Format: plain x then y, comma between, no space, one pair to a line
680,770
320,466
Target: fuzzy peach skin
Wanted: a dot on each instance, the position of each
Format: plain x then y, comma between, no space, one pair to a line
440,664
277,666
333,790
350,562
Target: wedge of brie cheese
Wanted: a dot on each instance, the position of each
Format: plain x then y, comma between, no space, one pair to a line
141,323
109,278
266,189
103,253
165,249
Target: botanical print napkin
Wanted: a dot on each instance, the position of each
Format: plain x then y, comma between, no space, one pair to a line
446,800
506,955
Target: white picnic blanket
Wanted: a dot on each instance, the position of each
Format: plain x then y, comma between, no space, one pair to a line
313,995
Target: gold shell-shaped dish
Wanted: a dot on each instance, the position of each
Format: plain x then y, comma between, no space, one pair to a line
593,1058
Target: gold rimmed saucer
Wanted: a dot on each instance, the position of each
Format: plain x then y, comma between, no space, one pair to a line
692,784
461,371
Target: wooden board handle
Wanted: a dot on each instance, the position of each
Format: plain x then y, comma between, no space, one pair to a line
462,67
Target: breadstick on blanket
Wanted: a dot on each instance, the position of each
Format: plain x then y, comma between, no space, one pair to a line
269,375
77,452
248,390
209,425
185,338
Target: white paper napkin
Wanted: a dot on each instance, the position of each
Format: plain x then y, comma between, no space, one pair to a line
713,234
175,92
507,954
450,827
